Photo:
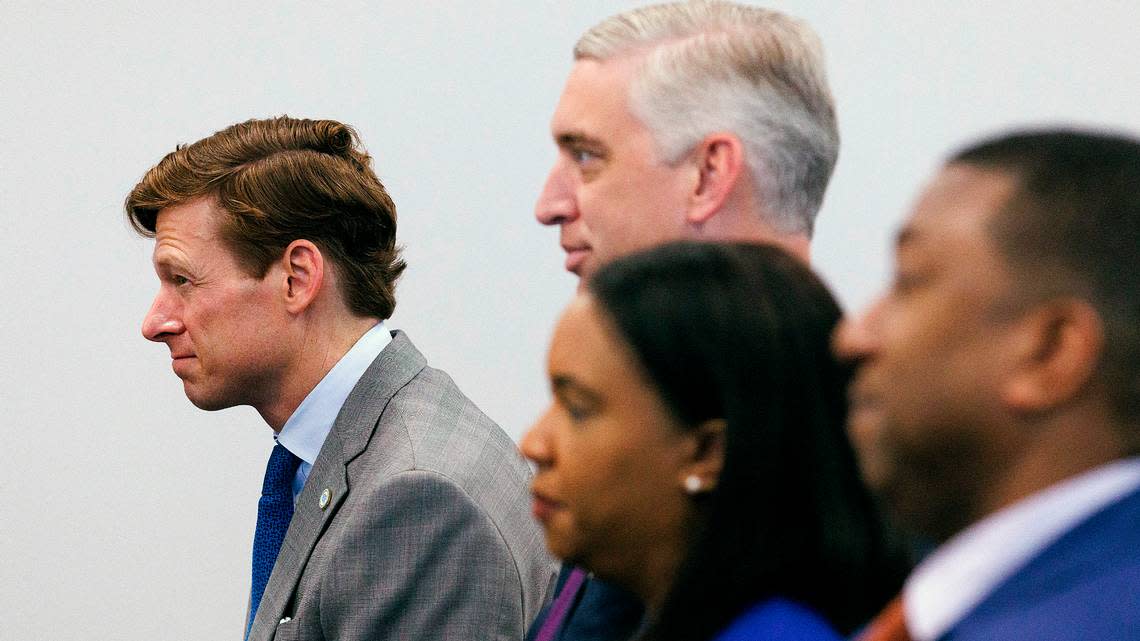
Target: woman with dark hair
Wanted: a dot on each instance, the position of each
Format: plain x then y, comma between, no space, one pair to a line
695,454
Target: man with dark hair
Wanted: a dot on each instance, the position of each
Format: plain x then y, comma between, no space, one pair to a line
392,508
996,406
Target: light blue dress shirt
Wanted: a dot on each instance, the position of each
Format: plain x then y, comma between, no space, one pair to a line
305,431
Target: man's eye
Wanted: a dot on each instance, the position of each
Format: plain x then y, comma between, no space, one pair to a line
583,156
905,283
179,280
577,413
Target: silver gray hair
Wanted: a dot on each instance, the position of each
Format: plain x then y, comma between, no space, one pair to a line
714,66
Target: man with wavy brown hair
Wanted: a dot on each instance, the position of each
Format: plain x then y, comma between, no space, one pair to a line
392,508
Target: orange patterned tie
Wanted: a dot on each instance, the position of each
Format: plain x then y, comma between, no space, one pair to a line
890,625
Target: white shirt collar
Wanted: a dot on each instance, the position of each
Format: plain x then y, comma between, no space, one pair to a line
305,431
957,576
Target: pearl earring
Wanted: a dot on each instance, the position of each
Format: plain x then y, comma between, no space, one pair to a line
692,484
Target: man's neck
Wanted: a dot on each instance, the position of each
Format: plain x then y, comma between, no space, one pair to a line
1055,450
739,221
317,351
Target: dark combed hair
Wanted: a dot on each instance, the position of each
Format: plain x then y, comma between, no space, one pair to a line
742,332
284,179
1072,227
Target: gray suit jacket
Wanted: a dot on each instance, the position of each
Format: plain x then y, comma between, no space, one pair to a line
425,532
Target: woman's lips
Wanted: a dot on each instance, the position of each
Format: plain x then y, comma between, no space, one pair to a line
544,508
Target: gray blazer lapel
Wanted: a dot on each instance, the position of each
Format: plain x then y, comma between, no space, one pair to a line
393,369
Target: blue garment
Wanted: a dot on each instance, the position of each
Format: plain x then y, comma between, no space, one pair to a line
778,620
600,612
274,511
1085,586
309,425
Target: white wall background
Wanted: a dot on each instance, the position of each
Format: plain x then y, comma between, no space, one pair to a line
127,513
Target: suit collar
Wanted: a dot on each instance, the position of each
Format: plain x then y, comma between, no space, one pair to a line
999,554
1106,542
394,368
306,430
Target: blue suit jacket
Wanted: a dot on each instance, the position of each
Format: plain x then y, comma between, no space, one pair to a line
599,612
1083,587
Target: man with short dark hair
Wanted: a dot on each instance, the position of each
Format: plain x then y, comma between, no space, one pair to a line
996,407
392,508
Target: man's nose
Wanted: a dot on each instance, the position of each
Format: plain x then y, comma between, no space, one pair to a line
556,204
855,337
162,320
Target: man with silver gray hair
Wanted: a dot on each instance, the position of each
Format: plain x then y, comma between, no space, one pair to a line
705,120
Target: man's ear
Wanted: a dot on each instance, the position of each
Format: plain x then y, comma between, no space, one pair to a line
706,458
719,161
304,268
1061,345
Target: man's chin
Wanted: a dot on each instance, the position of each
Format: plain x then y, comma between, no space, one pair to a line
206,406
580,262
205,401
584,272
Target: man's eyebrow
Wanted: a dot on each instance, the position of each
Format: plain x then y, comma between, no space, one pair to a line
164,261
575,139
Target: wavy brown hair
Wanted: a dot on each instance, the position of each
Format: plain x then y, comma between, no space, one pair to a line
282,179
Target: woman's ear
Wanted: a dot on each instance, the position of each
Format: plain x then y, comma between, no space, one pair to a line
702,471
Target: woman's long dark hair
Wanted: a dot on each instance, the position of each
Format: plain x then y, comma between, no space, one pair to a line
742,332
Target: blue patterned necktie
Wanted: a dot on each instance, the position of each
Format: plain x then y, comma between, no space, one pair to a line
274,511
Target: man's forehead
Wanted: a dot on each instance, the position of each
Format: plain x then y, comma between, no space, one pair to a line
594,90
590,72
196,218
959,201
184,230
